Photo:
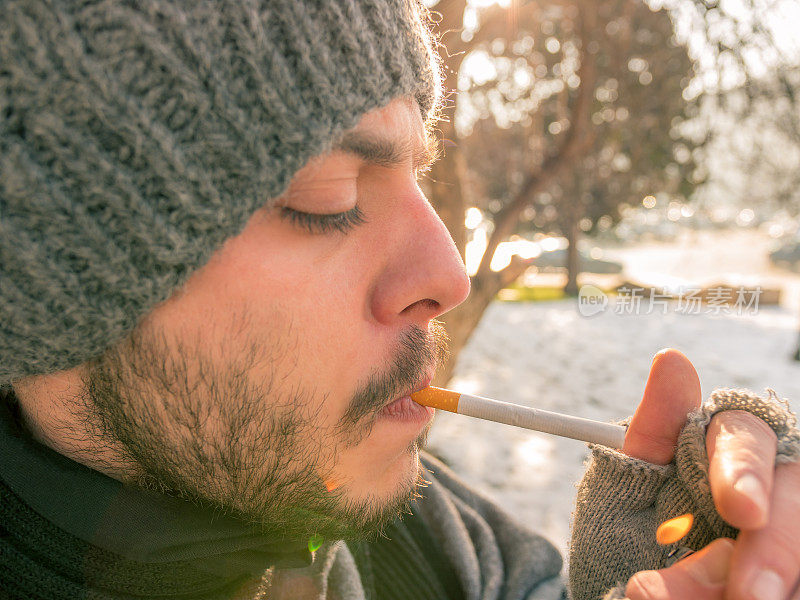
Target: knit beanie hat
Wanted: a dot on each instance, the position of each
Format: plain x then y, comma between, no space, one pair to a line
136,136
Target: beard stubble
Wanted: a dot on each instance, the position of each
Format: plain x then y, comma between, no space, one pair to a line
178,422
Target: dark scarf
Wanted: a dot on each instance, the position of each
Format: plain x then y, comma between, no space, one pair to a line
66,529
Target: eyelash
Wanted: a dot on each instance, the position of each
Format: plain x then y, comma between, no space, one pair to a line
321,224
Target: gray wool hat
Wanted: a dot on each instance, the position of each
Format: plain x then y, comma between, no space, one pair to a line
136,136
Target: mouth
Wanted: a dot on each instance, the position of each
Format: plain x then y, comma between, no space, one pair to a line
420,385
403,408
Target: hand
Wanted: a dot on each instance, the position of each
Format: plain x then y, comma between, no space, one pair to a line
749,492
701,576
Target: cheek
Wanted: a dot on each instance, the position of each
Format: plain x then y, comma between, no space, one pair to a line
326,310
302,302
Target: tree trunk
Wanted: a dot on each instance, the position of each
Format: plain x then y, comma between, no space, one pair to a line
447,184
463,319
460,324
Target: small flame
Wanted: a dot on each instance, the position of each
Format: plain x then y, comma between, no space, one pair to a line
672,530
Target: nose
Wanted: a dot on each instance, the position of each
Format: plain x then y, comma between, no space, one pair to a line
424,275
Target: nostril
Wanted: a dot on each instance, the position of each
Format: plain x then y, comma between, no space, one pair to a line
425,303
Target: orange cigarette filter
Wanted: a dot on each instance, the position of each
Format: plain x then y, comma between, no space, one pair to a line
672,530
437,398
576,428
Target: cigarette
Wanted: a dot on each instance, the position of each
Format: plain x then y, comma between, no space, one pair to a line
576,428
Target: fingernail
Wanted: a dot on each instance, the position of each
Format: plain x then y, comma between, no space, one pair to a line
767,585
712,567
750,486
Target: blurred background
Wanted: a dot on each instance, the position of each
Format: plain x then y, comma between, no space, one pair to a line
620,176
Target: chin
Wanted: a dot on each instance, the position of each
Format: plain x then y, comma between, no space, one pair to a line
371,486
393,481
383,479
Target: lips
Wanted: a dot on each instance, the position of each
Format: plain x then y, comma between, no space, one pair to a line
420,386
405,409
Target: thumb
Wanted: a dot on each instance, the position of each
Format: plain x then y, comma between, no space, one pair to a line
671,393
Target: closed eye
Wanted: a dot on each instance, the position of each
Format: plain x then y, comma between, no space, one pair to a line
316,223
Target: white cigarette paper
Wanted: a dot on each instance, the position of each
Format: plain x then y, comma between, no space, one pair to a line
576,428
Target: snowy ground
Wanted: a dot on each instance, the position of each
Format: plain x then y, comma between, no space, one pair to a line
549,356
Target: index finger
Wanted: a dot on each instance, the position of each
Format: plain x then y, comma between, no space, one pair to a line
701,576
741,454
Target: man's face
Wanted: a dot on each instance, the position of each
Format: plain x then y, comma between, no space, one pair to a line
269,384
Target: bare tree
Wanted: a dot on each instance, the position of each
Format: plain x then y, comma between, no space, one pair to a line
576,121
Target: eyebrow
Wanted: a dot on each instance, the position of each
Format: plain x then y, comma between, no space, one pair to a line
386,152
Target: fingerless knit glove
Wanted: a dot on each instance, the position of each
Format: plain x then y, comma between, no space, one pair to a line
622,500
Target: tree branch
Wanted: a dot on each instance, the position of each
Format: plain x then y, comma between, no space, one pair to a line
577,141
